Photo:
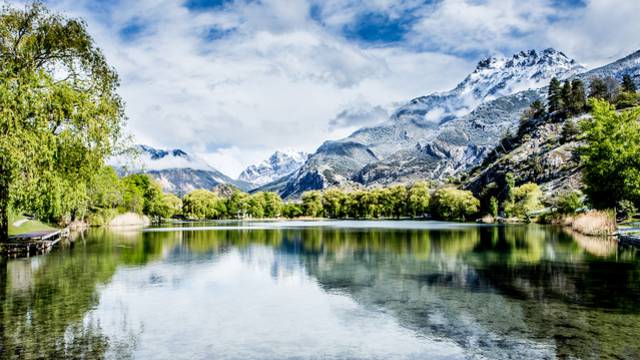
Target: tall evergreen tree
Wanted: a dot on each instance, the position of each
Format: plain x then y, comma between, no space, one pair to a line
628,85
578,102
555,96
598,88
566,96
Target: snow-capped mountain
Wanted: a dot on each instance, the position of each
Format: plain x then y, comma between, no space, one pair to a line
442,134
493,77
177,171
279,164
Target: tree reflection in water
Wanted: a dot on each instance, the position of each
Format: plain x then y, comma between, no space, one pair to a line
510,291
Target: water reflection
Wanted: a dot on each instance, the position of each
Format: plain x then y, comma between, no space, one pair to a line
402,290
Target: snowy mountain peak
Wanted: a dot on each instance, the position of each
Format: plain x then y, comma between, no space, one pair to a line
279,164
492,78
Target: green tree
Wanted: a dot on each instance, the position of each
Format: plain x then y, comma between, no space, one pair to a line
256,205
418,199
627,84
570,130
105,190
272,204
555,96
292,210
568,202
578,100
598,88
611,155
526,198
150,190
493,206
566,95
332,203
454,204
397,200
312,203
238,204
60,116
202,204
170,206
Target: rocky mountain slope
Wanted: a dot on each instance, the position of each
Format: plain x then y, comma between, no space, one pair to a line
278,165
543,155
177,171
438,135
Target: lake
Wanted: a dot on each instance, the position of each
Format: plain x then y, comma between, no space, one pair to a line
324,290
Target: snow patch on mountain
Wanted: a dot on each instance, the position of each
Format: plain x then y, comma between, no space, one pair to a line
493,77
278,165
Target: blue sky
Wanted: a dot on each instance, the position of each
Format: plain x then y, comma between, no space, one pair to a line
234,80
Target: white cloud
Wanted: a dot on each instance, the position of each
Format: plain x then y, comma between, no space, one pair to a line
277,77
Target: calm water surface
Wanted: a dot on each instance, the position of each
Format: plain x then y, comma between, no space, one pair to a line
317,290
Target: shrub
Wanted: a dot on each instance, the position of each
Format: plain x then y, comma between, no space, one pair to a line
454,204
569,202
526,198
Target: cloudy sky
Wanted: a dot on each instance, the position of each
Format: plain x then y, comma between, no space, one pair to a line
234,80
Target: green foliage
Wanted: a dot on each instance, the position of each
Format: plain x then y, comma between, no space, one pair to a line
272,204
333,201
570,130
555,96
292,210
526,198
312,203
202,204
627,99
628,85
169,207
493,206
569,202
611,155
54,132
577,103
255,206
143,185
625,209
418,199
454,204
603,88
238,205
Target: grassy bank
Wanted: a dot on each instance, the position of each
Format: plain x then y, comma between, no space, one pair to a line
19,224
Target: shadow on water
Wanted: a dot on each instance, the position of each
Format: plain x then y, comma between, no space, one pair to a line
501,292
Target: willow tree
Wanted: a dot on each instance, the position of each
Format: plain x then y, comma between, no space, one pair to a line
60,116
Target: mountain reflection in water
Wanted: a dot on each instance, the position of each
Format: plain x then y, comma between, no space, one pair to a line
330,290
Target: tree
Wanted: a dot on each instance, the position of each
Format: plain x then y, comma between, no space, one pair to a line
170,206
397,200
418,199
454,204
332,203
555,96
150,190
256,205
493,206
569,131
60,116
526,198
105,190
568,202
312,203
578,100
566,95
202,204
611,155
292,210
272,204
598,88
628,85
238,204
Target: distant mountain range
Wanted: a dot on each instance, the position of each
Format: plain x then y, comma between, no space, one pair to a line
430,137
177,171
446,133
280,164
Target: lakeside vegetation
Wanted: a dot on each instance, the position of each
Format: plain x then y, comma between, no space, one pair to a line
58,130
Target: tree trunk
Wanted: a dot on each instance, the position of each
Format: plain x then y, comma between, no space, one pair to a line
4,213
